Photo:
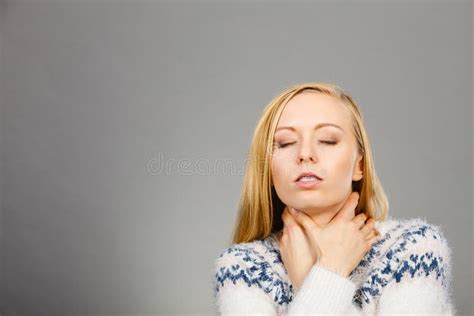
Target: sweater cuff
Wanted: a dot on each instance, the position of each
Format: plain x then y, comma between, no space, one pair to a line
324,291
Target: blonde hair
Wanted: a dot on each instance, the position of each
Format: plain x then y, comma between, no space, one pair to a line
260,209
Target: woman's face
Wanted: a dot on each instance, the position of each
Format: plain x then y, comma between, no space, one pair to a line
327,151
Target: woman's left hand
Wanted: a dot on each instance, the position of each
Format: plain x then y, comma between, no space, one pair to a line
297,254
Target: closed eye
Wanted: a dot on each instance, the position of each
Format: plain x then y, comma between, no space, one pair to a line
327,142
284,145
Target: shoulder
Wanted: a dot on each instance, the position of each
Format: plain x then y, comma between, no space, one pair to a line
249,266
242,254
414,270
415,247
408,251
413,234
238,263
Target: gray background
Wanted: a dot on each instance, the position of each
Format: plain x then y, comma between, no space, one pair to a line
96,93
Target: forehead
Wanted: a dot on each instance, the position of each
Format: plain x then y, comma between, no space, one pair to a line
311,108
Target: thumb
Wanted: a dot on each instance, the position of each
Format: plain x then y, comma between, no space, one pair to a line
305,221
347,211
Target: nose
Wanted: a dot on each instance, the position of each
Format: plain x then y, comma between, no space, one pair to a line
306,153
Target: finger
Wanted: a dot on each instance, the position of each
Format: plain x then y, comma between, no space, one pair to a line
368,226
292,225
284,215
285,230
360,220
347,211
373,234
284,235
310,226
374,239
304,220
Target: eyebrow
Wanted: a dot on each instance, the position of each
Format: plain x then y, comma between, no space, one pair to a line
291,128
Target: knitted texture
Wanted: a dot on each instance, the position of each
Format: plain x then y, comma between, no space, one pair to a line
406,271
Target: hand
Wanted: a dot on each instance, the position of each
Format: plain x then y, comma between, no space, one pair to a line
297,254
343,242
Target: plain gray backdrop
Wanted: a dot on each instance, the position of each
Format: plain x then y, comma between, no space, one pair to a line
125,127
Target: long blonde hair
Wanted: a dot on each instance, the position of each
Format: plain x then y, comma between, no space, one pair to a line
260,209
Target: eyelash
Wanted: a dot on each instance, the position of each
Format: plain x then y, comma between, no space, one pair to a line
330,143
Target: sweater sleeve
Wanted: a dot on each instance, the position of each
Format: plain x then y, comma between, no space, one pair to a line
324,292
418,285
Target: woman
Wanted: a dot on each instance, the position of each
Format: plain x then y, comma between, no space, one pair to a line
313,235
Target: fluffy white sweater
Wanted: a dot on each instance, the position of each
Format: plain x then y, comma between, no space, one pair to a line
407,271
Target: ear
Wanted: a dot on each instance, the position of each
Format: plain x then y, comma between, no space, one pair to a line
358,171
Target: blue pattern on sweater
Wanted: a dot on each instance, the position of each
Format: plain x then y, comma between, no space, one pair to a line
396,265
393,265
257,273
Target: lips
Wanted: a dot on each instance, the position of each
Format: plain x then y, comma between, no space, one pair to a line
308,174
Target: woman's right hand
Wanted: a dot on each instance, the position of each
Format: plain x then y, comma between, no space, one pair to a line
343,242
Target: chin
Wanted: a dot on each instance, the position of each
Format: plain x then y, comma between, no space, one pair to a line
303,205
309,207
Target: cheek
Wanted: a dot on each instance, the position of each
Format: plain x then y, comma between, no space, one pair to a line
280,177
277,170
343,166
281,169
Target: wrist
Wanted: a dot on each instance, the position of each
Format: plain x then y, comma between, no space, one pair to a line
333,268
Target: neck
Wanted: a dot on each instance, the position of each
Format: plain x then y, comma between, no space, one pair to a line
321,216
